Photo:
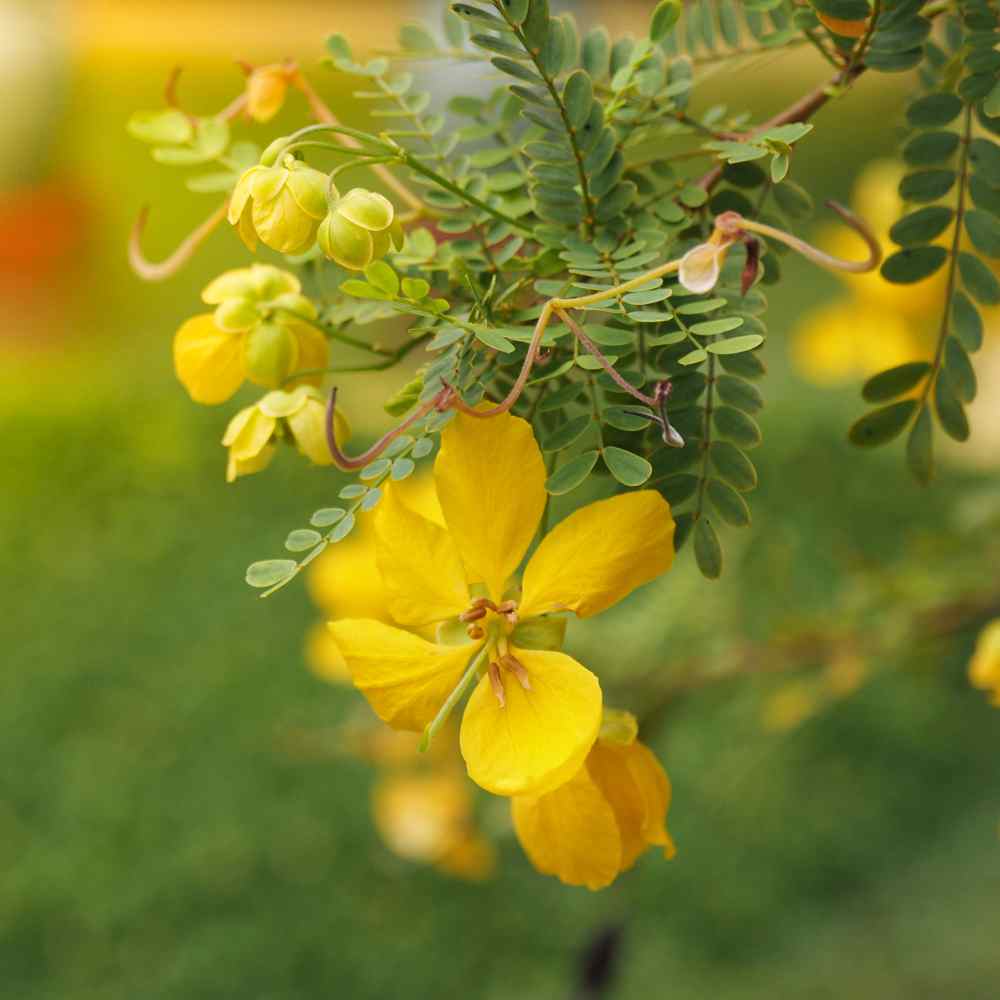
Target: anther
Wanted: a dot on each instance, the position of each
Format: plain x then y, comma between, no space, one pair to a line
474,614
517,668
475,632
497,683
509,610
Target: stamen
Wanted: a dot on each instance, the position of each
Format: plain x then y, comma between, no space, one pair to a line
517,668
497,683
509,610
474,614
475,632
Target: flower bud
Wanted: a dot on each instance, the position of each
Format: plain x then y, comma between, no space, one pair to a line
248,438
360,227
266,89
282,206
270,354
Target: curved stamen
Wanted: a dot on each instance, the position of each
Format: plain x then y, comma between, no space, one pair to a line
149,271
347,463
820,257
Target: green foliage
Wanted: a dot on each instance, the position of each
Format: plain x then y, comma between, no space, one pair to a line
951,164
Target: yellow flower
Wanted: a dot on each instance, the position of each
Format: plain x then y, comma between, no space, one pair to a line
589,830
984,668
301,413
846,340
534,712
260,331
282,206
427,817
359,228
266,89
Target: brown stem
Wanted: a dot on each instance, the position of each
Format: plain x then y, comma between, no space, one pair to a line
149,271
342,461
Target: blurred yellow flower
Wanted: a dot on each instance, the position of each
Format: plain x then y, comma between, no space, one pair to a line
281,205
428,818
300,413
260,331
984,668
266,90
535,712
595,826
851,339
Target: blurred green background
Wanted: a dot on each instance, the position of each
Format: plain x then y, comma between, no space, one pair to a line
171,823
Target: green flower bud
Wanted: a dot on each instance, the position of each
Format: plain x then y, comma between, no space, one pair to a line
346,244
270,354
236,315
361,227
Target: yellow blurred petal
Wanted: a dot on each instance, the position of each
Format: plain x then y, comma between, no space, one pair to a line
208,361
422,817
472,858
405,678
345,582
324,657
540,737
266,89
570,833
984,668
491,484
600,554
700,267
421,570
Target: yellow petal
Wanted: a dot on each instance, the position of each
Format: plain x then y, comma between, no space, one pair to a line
208,360
654,784
247,438
314,350
570,833
700,266
421,571
491,483
600,554
405,678
540,737
237,467
345,582
608,769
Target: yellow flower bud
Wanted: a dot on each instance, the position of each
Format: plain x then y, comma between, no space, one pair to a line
282,206
302,412
248,438
266,89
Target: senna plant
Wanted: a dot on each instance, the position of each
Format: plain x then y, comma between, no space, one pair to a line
578,252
